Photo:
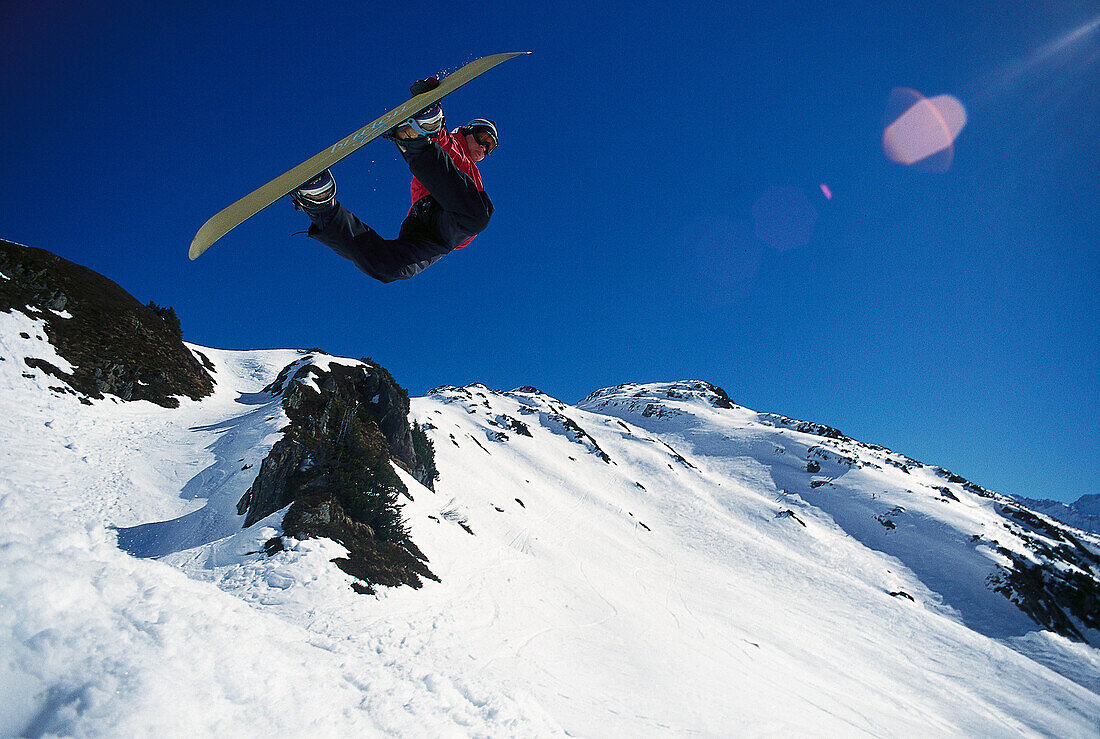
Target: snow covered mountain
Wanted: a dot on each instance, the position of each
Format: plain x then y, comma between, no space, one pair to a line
652,561
1083,513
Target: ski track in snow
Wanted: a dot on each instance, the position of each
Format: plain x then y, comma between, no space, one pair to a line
651,594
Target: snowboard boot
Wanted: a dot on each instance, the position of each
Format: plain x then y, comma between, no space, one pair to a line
316,197
418,132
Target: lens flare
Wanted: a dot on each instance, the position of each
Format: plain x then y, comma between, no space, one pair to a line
921,131
1048,60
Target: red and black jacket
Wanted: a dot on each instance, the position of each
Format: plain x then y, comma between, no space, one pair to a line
454,143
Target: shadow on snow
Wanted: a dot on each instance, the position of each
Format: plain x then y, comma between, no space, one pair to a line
237,452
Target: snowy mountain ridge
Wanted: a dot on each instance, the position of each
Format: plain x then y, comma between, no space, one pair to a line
1083,513
654,560
861,485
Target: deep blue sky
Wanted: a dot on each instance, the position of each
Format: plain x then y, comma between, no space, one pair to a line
951,317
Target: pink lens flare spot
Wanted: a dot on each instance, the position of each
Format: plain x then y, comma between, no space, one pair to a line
922,131
784,218
826,191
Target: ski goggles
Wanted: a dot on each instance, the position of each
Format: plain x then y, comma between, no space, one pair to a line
486,139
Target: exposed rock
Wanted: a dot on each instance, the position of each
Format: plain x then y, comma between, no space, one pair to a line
1061,599
517,425
115,344
712,394
560,423
788,513
371,560
635,397
332,467
966,484
804,427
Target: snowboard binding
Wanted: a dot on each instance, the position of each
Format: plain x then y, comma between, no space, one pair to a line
415,133
316,197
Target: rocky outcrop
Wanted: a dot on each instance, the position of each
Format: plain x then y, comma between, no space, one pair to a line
332,467
647,397
1057,586
115,344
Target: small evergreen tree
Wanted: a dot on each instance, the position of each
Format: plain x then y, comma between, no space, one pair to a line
168,315
362,479
425,451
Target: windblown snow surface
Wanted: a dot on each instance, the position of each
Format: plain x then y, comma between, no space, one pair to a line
629,568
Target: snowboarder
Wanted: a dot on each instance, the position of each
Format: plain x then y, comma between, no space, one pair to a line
449,203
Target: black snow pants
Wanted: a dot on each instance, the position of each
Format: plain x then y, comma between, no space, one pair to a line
455,211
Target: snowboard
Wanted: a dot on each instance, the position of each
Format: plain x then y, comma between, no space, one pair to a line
234,215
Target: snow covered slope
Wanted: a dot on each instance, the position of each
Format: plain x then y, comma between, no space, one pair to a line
95,641
953,535
640,565
672,565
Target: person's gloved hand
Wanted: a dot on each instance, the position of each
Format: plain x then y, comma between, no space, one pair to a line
421,86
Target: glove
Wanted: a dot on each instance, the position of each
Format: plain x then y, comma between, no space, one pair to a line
421,86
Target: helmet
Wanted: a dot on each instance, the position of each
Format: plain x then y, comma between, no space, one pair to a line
481,124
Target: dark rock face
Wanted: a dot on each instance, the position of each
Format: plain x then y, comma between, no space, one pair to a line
332,467
804,427
713,394
116,344
371,560
1063,593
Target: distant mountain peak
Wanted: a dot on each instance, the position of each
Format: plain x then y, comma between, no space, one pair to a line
1083,513
643,395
